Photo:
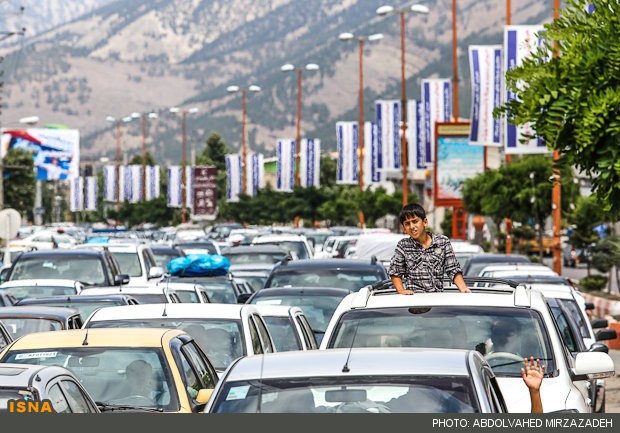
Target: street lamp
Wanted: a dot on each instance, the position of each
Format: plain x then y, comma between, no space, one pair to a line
235,89
289,68
374,37
184,156
387,10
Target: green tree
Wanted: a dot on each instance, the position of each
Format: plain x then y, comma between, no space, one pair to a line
215,154
587,214
154,211
572,100
606,256
19,182
446,224
137,159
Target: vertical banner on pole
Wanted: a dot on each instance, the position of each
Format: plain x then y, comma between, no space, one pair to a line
310,161
174,186
485,65
437,100
519,43
204,184
189,186
285,152
135,192
90,200
255,172
77,194
416,149
347,141
388,121
109,183
234,171
152,182
371,155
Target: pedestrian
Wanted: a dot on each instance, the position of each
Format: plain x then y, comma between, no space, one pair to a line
422,258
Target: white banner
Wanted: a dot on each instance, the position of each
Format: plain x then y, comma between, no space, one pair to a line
285,152
76,194
485,65
371,156
519,42
255,172
152,182
175,186
90,196
388,121
437,100
310,162
109,183
234,171
347,142
416,149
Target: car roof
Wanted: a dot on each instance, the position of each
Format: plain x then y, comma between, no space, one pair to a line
279,237
166,249
61,253
172,311
39,311
306,291
20,375
39,282
327,263
257,248
75,299
119,290
361,362
97,337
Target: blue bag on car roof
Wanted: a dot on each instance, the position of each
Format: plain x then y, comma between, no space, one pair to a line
199,265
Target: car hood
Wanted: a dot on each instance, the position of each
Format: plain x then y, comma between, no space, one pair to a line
517,396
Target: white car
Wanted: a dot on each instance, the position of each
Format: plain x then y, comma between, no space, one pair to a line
22,289
289,327
527,269
143,294
43,240
225,332
297,244
503,323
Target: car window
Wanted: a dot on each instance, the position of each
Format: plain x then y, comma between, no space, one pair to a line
282,331
256,344
351,279
190,380
88,270
203,370
565,331
58,400
40,291
264,334
307,332
130,263
3,341
76,399
577,315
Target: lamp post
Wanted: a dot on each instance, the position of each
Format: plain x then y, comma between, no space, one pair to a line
184,158
234,89
289,68
387,10
118,154
151,115
347,37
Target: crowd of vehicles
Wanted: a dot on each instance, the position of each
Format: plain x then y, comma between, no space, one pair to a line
304,320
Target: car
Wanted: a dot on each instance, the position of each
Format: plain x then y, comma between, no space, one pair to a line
464,250
297,244
515,269
288,327
316,238
225,332
344,274
330,247
198,247
474,264
34,319
504,323
164,254
7,299
572,256
39,383
255,275
22,289
243,255
222,231
317,303
360,380
135,370
220,289
91,268
150,294
5,337
83,304
44,240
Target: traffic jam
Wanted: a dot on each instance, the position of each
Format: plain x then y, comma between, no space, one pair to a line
249,319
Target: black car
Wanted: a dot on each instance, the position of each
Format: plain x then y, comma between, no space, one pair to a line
164,254
91,268
83,304
345,274
475,264
25,320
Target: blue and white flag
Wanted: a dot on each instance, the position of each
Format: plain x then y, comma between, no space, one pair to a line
77,194
175,186
388,121
485,65
371,155
133,174
416,149
519,43
310,162
255,172
234,170
285,152
152,182
437,100
347,142
109,183
90,196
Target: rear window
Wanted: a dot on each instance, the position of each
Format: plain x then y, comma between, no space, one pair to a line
23,292
88,270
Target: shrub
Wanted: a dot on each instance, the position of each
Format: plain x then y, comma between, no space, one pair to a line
593,283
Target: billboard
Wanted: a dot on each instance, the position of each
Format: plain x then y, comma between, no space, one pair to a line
56,152
204,191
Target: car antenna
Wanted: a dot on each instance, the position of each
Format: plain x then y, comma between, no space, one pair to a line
165,289
260,384
345,368
85,342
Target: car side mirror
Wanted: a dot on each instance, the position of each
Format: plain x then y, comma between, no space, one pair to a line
243,298
599,347
156,272
592,365
4,275
121,279
204,395
606,334
589,306
600,323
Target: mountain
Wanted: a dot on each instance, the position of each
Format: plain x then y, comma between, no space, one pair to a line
150,55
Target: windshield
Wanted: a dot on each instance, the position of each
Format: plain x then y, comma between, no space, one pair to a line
351,279
162,259
221,339
199,249
18,326
221,292
254,258
318,309
13,394
298,247
136,376
504,336
283,333
23,292
187,297
88,270
429,394
129,263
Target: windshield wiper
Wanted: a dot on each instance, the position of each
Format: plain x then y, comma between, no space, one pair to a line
103,407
